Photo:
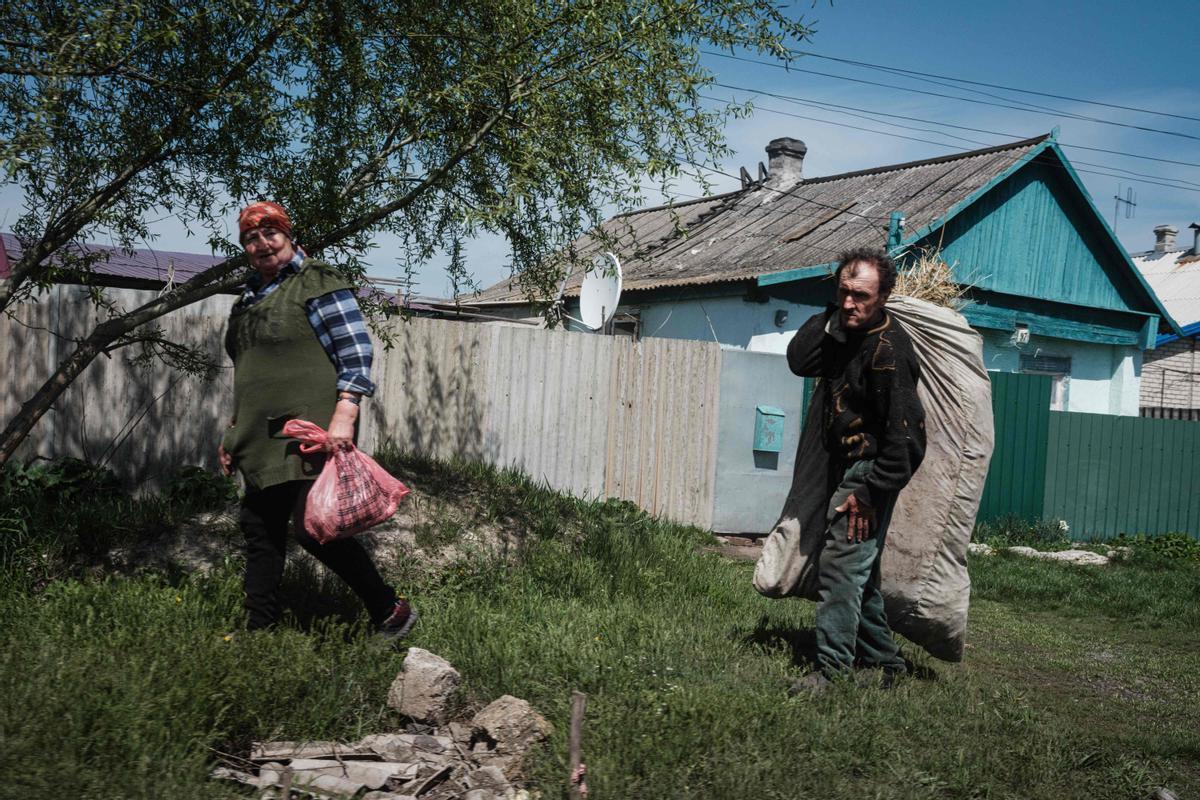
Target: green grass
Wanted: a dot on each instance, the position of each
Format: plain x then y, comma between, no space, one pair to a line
1078,682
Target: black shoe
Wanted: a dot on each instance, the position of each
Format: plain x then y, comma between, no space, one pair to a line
812,684
400,621
877,678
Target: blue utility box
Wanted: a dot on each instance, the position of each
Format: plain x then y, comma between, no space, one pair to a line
768,429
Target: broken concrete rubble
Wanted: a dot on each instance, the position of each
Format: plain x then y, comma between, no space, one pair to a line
425,688
512,725
478,758
1072,556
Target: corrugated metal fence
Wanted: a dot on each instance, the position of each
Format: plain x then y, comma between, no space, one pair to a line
591,415
1017,475
144,423
598,416
1105,475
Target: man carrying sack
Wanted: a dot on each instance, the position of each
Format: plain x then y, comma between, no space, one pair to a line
874,433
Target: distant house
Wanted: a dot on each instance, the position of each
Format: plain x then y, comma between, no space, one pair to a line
1171,372
1053,292
142,273
115,267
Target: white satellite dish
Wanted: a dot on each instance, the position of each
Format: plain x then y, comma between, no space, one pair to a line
600,292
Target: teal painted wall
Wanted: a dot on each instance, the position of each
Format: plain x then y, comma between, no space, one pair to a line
1032,236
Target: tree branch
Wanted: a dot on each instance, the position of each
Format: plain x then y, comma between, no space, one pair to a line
62,230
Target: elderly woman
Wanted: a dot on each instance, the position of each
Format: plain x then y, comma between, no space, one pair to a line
300,350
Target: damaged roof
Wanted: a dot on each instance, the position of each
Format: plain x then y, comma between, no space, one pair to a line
765,229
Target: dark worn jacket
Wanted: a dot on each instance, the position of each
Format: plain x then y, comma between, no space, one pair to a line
870,407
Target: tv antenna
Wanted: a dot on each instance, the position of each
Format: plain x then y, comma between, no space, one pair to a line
1130,201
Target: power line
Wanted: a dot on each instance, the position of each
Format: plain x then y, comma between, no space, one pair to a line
1157,180
838,108
1067,114
822,103
962,150
902,71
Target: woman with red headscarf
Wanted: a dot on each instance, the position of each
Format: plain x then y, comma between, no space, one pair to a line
300,350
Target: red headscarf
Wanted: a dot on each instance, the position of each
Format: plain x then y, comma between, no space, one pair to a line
263,213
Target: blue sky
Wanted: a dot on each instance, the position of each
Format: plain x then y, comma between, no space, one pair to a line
1112,52
1136,55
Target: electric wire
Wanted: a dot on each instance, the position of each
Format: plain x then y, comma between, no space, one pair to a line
799,100
872,117
1067,114
1154,180
917,73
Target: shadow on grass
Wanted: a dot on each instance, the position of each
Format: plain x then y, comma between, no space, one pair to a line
801,643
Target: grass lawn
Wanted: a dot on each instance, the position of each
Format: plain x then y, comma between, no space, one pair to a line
1078,682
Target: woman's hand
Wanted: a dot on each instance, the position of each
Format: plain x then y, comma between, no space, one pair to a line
225,459
341,426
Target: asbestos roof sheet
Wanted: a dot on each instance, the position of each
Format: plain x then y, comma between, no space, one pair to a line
764,229
1175,278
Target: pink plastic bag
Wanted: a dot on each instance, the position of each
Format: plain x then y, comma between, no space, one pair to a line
351,494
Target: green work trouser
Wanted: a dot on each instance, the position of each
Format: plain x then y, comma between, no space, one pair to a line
850,616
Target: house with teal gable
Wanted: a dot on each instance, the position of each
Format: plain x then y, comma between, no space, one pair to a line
1047,284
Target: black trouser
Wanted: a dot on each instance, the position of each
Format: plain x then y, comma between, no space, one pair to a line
264,519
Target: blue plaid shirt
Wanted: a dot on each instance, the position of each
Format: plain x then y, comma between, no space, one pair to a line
336,321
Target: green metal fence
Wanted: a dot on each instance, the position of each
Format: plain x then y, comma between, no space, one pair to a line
1109,475
1105,475
1016,482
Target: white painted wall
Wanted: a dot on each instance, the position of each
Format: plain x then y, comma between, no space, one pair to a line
1105,379
731,321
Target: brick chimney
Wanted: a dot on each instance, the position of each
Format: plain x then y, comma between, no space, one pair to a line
1164,238
1195,226
786,161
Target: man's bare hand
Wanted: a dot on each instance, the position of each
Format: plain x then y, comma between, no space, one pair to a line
860,519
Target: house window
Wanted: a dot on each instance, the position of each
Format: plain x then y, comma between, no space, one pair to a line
625,324
1059,369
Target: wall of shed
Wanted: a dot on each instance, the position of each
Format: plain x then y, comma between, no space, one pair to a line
751,485
729,321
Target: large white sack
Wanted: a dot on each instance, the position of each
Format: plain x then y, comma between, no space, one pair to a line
924,570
